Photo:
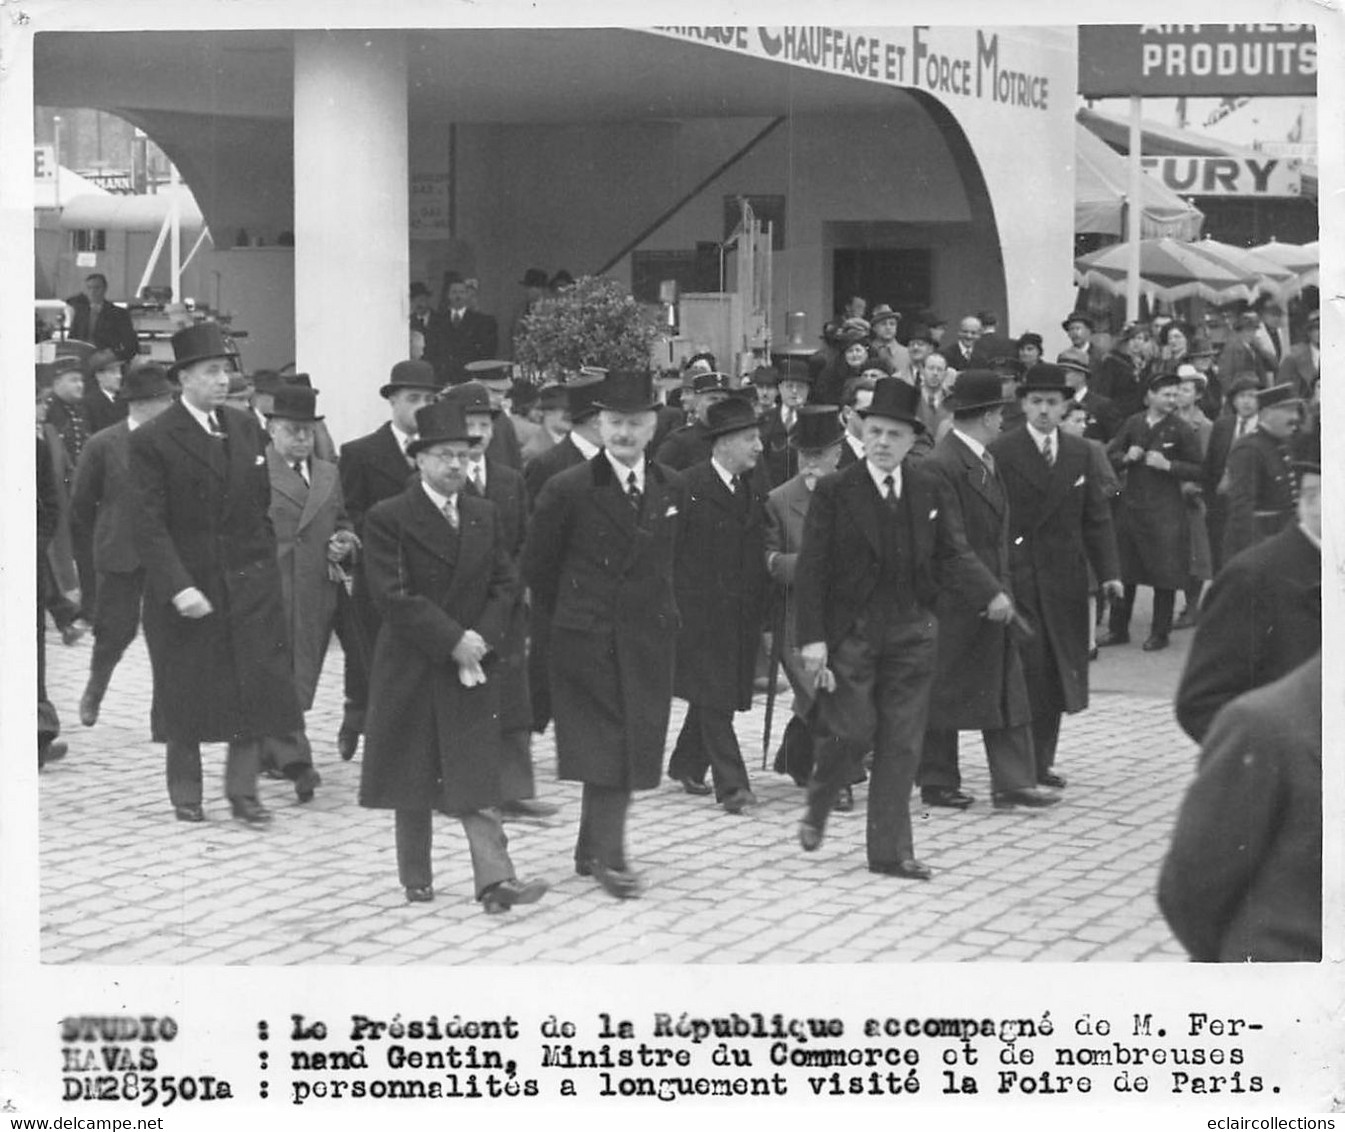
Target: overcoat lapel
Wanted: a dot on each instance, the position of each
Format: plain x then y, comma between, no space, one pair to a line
860,496
427,525
611,500
193,439
978,476
323,476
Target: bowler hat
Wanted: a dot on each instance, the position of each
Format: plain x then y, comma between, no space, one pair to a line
580,392
765,375
438,422
1077,316
411,375
100,360
552,397
1243,383
975,389
816,427
533,277
145,382
710,383
895,400
562,278
295,403
795,369
472,396
419,289
1284,394
733,414
198,343
627,391
881,313
1046,377
491,369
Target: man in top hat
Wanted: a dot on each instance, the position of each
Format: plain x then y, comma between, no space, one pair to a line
102,509
1154,453
439,572
1262,616
979,683
885,344
460,335
817,440
1239,356
204,535
1260,494
375,467
315,546
504,487
879,541
101,322
102,379
795,383
599,560
1301,366
1060,523
720,583
1228,428
495,376
1079,327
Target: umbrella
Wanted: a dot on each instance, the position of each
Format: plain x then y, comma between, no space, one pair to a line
1301,260
1169,270
1275,278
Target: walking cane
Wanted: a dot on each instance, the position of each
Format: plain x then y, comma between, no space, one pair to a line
772,675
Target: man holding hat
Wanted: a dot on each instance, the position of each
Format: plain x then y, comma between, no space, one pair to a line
1154,453
103,377
204,535
599,560
979,683
720,584
438,571
879,541
102,508
1260,496
1060,523
315,544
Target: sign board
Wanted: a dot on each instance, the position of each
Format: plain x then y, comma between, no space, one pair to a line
44,163
429,209
1227,176
1197,60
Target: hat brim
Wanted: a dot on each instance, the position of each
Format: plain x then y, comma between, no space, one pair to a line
950,403
617,407
391,387
1040,387
293,417
904,418
423,442
732,427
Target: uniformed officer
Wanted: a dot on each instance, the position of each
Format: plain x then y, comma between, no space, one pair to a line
1260,497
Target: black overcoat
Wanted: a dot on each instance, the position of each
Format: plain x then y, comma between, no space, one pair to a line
430,742
1261,491
720,583
203,521
604,575
505,488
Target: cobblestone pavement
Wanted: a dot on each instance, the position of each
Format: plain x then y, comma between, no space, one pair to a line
122,882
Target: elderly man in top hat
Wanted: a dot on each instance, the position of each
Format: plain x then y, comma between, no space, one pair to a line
102,509
599,559
314,544
1060,523
1260,496
204,534
102,380
375,467
979,683
438,570
720,583
880,540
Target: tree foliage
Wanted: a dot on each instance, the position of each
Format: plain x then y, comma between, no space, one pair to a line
593,323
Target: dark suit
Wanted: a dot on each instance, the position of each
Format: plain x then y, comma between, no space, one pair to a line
1243,877
1223,435
782,461
450,345
113,331
1121,383
866,582
99,409
1261,491
1059,524
720,585
373,468
70,421
1261,618
202,521
604,575
1239,358
979,683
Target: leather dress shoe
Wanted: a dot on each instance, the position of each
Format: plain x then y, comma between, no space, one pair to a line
75,631
910,869
306,780
1156,642
1030,797
502,896
948,796
1107,637
251,811
528,809
1051,779
274,773
420,894
1187,619
845,801
621,883
583,868
810,836
690,785
738,801
189,811
347,739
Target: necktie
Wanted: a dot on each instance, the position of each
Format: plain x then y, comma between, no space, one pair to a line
741,495
633,491
479,478
406,452
989,462
787,415
216,429
457,317
300,470
890,491
1048,450
451,512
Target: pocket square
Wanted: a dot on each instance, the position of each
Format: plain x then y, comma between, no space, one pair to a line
259,460
934,514
1079,482
670,512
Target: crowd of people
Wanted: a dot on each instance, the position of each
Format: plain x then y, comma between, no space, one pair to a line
932,530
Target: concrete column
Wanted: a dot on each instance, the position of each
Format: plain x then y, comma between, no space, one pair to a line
351,250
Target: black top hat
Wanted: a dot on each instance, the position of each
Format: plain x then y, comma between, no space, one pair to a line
1046,377
795,369
552,397
895,400
411,375
815,427
1077,316
731,415
710,383
580,392
100,360
198,343
1284,394
295,403
491,369
145,382
472,396
268,381
765,375
975,389
627,391
438,422
533,277
522,394
419,289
